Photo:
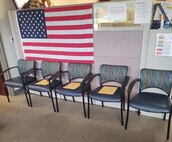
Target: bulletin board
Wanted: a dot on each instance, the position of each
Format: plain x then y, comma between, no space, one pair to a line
122,14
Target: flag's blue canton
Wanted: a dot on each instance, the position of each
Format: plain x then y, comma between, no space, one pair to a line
32,23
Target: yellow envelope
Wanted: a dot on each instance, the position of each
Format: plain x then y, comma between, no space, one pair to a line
43,82
72,85
109,90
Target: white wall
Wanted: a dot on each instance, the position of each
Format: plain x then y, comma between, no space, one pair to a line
6,5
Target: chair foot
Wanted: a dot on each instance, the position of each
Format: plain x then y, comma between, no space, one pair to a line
64,97
28,97
88,111
73,99
126,123
52,99
57,106
8,98
122,121
102,104
168,127
83,100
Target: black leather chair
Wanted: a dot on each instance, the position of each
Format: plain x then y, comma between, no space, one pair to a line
113,92
51,78
154,101
78,75
24,68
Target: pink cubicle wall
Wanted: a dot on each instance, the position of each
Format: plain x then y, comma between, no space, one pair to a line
118,47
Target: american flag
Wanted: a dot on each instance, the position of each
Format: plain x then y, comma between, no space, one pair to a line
63,34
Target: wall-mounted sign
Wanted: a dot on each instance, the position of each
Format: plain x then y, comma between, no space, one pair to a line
117,11
163,45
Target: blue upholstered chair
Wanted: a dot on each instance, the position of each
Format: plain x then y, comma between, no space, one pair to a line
24,67
110,92
51,78
152,101
78,75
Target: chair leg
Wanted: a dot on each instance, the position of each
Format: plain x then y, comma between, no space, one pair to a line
122,122
52,101
73,99
25,92
89,107
30,100
6,90
49,95
40,93
126,123
57,106
8,98
83,101
164,116
64,97
91,101
102,104
169,122
123,99
7,95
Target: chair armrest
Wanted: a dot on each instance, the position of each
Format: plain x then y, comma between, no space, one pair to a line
57,74
64,71
88,82
8,70
26,74
125,83
86,79
54,76
130,87
92,77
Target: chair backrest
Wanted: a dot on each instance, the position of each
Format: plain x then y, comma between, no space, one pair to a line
25,65
49,68
115,73
76,70
152,78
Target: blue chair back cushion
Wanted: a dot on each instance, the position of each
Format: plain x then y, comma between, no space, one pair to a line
78,70
152,78
49,68
25,65
113,73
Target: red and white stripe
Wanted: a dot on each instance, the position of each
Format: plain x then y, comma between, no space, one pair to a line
70,36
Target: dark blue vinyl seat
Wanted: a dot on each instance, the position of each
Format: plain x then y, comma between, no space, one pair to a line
153,100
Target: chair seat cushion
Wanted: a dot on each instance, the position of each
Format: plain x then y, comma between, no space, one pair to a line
69,92
43,88
116,97
151,102
17,81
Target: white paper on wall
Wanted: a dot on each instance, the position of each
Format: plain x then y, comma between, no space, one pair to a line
117,11
163,45
143,11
